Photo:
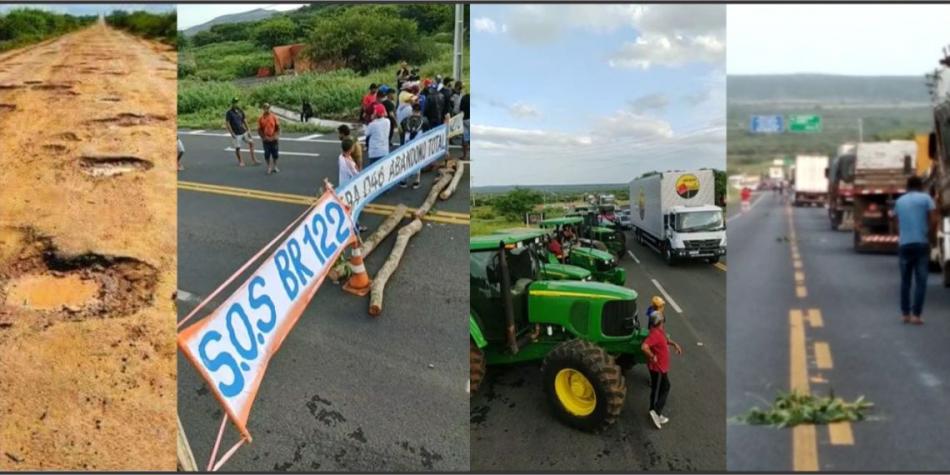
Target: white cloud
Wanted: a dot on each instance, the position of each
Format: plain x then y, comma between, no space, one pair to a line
522,110
630,125
486,25
663,50
653,101
667,35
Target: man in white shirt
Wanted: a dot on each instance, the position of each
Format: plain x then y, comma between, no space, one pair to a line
377,136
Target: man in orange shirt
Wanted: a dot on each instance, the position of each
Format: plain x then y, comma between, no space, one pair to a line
269,129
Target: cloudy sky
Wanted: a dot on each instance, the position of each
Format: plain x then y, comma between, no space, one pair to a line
90,9
190,14
836,39
577,94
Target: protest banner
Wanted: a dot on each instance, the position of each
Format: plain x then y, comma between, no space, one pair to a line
456,125
393,168
230,348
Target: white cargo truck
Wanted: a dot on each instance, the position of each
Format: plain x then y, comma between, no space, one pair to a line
675,214
811,180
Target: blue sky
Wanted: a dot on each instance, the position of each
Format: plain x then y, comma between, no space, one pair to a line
595,93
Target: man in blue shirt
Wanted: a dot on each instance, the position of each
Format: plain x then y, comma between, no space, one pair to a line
917,219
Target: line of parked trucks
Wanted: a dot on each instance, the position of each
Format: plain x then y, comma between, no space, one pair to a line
862,183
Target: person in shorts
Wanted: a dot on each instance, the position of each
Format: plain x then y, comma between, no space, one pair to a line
236,123
268,128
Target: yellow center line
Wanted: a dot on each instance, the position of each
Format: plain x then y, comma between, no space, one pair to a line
814,318
823,355
797,263
720,266
804,441
800,277
373,208
839,433
800,291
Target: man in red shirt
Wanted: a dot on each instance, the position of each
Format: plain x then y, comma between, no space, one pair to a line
745,195
555,247
656,348
269,130
366,105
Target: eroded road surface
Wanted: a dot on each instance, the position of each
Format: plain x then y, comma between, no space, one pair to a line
88,254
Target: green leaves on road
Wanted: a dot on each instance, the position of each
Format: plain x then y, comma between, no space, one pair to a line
791,409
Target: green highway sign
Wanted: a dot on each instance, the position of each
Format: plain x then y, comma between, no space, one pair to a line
804,123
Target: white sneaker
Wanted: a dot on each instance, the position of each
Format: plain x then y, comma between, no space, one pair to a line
664,419
656,419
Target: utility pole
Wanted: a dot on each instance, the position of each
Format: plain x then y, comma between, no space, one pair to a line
459,30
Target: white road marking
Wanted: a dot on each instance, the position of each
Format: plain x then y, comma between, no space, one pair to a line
282,139
311,137
751,205
306,154
186,296
667,296
633,256
196,132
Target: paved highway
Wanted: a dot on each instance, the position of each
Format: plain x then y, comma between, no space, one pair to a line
513,428
806,310
346,392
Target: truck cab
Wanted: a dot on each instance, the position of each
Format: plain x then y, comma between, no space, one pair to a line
695,232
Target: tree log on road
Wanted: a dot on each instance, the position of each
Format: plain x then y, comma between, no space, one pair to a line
439,185
379,283
449,190
383,230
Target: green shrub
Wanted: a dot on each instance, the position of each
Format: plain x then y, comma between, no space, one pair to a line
274,32
24,26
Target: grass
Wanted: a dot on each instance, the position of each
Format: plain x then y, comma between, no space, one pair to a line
484,221
791,409
334,95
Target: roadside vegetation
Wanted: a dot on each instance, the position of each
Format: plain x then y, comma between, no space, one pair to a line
21,27
154,26
351,46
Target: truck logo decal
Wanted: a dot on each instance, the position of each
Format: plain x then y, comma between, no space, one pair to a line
687,186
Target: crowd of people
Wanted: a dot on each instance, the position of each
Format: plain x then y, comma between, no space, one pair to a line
390,116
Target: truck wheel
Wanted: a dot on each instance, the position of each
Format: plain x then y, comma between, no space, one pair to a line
668,255
584,387
476,363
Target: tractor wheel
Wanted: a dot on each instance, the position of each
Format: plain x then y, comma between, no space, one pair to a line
584,386
476,363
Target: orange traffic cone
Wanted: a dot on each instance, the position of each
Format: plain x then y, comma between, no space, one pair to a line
358,283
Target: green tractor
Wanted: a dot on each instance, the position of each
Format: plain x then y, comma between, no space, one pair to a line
585,334
608,233
551,269
591,255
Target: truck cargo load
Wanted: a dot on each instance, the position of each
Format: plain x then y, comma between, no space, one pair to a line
811,182
881,170
675,214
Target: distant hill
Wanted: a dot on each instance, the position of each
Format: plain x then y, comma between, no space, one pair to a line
492,190
252,15
825,88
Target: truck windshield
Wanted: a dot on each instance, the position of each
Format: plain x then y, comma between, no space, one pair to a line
696,221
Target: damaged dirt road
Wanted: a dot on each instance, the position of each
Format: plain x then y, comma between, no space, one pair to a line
88,254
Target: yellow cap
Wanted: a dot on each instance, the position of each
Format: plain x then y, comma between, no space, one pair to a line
658,301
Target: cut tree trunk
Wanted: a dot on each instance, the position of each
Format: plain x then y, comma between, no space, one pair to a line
449,190
379,283
186,459
439,185
383,230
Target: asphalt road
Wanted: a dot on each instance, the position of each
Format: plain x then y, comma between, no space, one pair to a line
859,347
346,392
513,429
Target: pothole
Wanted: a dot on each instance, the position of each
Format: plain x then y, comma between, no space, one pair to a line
111,165
110,99
32,82
52,291
7,107
72,137
7,87
128,119
40,286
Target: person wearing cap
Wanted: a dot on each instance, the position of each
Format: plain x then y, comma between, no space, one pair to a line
237,126
268,128
434,107
410,127
656,348
377,136
447,93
